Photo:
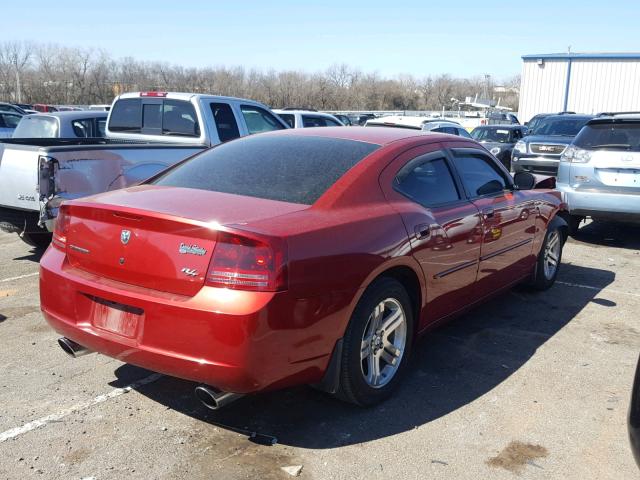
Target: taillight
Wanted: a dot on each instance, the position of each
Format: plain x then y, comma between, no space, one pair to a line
243,263
61,229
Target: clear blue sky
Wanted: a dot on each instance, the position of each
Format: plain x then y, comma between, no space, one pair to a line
463,38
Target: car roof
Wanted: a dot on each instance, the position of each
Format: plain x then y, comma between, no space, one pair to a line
302,112
80,114
441,123
506,126
572,116
376,135
406,120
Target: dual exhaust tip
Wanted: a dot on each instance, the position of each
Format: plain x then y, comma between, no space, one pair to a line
210,397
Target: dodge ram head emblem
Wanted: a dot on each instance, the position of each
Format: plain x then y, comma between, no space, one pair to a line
125,236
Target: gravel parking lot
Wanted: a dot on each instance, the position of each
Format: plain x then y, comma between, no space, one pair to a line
530,385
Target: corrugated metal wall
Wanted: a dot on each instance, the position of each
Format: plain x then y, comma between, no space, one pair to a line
541,88
604,86
596,85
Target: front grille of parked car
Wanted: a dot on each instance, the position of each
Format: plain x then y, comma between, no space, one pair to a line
547,149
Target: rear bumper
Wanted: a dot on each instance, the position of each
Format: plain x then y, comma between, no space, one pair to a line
613,206
535,164
236,341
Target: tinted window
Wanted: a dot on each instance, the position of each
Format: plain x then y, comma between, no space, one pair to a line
289,169
463,133
36,127
566,126
259,120
449,130
480,175
613,136
499,135
313,121
152,116
428,183
289,119
101,124
225,121
126,116
179,118
11,120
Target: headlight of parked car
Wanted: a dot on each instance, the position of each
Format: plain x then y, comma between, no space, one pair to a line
495,150
520,147
575,155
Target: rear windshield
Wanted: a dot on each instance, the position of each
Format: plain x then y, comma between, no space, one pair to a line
36,127
560,127
167,117
613,136
295,169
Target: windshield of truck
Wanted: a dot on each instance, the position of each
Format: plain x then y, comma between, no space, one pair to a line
32,126
610,136
560,126
499,135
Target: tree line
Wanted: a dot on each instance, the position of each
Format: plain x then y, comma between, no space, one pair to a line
59,75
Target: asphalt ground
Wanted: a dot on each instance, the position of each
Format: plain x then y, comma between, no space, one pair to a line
529,385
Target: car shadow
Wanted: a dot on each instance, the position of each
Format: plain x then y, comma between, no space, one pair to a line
34,255
451,367
610,234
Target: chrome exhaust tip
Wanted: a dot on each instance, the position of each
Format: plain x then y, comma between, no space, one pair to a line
72,348
215,399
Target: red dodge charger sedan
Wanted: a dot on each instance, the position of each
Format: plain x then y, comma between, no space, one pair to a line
311,256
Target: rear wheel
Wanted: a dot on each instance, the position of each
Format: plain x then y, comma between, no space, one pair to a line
548,262
377,344
38,240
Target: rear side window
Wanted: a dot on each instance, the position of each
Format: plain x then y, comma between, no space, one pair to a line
479,174
226,124
169,117
81,128
36,127
259,120
449,130
101,124
296,169
612,136
427,182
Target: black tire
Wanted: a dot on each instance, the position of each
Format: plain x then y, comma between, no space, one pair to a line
542,279
38,240
353,385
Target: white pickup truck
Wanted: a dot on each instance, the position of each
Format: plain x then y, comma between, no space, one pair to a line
146,133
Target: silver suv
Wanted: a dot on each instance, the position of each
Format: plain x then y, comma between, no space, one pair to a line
599,173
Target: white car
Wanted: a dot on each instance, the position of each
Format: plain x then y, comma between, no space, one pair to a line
424,124
308,118
86,124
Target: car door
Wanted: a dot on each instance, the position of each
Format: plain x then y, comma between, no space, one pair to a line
444,228
508,219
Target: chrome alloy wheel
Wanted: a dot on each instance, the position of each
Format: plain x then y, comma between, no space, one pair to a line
552,254
383,343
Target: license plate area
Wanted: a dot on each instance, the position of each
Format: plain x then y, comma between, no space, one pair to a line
620,177
114,317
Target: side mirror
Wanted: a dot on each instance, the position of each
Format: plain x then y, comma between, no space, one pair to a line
524,181
528,181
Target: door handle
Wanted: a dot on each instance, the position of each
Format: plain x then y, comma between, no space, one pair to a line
488,213
423,230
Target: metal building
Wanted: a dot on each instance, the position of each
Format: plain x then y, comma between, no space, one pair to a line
579,82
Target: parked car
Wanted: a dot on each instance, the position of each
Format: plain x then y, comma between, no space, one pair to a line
534,121
540,151
226,269
308,118
445,126
499,140
502,118
85,124
8,123
634,416
11,108
102,108
344,119
146,133
41,107
599,174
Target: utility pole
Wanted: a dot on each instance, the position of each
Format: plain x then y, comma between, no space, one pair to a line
18,89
